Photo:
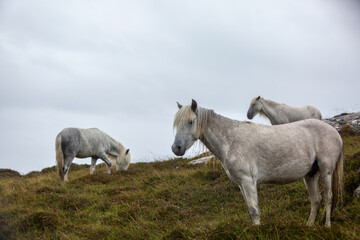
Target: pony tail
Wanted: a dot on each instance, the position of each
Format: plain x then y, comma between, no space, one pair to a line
59,157
338,181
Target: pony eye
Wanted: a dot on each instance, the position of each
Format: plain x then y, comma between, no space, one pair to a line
191,122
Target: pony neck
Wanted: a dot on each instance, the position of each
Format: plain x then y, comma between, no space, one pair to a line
115,145
215,135
268,109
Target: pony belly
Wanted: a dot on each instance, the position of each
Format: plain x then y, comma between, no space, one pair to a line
82,154
86,151
279,181
285,174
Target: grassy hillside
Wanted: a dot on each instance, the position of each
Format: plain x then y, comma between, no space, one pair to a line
166,200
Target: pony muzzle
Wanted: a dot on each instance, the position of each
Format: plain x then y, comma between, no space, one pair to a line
178,150
250,114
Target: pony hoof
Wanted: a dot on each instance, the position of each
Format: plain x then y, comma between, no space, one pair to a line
309,224
256,223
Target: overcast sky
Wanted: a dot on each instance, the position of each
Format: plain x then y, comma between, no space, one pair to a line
121,66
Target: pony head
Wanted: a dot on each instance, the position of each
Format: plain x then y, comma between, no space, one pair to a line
190,122
255,107
124,163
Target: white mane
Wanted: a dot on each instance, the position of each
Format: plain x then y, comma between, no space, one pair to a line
185,114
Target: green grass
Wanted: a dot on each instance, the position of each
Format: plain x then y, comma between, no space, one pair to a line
166,200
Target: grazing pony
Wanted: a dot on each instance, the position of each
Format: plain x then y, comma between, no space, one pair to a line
252,154
83,143
279,113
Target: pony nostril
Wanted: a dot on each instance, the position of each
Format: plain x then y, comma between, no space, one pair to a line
176,148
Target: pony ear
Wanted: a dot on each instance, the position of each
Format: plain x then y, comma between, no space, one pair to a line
127,151
258,98
179,105
193,105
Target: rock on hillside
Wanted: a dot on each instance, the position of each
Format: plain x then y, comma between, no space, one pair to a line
351,120
202,160
339,121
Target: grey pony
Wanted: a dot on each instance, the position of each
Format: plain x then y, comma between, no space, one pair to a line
253,154
83,143
280,113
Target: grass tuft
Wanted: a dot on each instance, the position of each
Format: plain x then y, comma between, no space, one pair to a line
347,131
8,173
39,221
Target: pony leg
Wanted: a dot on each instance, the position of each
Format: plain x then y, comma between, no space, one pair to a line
249,191
68,161
93,165
312,185
66,177
117,163
107,161
328,199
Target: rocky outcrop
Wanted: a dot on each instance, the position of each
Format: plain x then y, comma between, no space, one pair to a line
350,119
347,124
202,160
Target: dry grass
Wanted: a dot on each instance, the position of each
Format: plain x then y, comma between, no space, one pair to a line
166,200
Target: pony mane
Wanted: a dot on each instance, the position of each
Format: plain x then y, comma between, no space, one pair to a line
253,101
185,114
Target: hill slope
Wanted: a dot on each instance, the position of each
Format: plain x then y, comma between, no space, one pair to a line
166,200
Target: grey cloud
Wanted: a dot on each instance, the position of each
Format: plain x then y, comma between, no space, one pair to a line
121,66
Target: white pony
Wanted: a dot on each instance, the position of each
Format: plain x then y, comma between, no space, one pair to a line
83,143
253,153
279,113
